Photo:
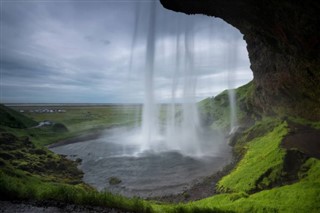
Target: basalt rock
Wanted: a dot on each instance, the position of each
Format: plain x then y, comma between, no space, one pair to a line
283,41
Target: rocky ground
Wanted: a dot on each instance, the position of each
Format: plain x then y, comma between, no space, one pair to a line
303,138
200,190
50,207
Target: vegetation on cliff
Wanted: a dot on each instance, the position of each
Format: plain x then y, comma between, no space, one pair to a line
270,176
29,171
215,111
14,119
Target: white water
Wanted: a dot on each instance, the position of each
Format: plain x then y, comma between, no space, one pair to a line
177,132
177,126
150,116
231,64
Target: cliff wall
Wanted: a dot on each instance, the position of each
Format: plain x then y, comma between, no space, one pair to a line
283,41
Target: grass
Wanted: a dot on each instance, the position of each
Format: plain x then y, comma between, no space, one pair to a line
314,124
299,197
253,186
85,115
261,164
30,171
14,119
19,153
17,185
215,111
248,188
78,120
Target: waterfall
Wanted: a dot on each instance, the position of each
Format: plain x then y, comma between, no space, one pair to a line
180,130
175,125
231,64
150,115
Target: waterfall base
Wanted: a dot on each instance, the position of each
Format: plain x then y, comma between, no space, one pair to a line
159,171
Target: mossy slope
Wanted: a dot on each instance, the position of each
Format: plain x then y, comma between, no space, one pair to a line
215,111
14,119
29,171
259,183
261,165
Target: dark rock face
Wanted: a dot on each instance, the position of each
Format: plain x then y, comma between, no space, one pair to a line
283,41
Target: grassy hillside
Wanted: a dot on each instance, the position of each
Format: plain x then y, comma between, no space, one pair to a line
29,171
14,119
215,111
268,177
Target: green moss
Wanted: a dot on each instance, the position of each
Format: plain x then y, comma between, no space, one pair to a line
310,171
303,196
260,166
259,129
314,124
22,154
300,197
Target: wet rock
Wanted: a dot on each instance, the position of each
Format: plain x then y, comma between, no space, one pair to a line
304,139
78,160
235,135
114,181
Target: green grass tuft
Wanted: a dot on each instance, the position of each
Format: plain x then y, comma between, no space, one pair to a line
260,166
18,185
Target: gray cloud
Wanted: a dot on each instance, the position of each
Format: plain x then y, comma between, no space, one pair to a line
79,51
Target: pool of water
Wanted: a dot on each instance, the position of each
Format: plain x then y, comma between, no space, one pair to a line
147,173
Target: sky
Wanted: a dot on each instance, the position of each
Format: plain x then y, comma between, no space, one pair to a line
70,51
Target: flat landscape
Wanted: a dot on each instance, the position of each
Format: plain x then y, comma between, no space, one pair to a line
78,118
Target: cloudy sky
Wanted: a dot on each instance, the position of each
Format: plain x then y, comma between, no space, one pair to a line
95,52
